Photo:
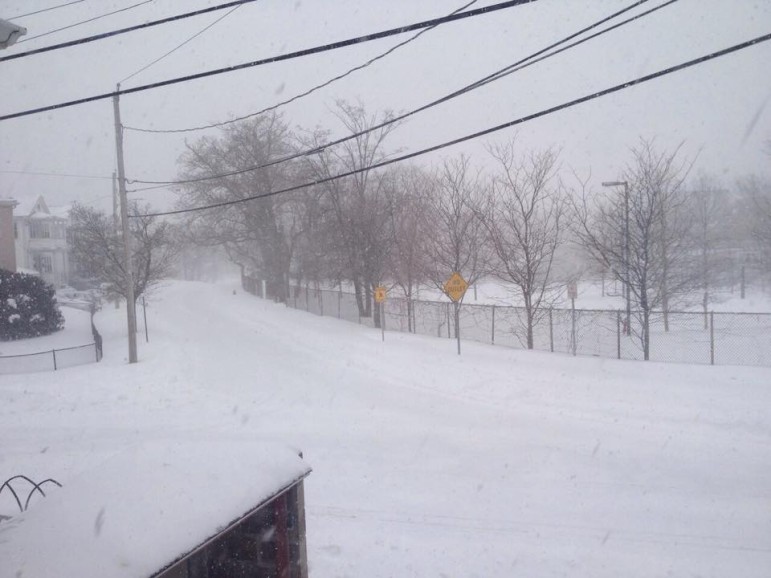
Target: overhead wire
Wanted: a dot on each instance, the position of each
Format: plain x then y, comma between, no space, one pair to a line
46,9
45,174
537,56
19,55
300,95
178,46
112,33
273,59
521,120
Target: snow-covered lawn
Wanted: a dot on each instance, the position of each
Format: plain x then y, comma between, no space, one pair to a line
35,354
77,331
496,463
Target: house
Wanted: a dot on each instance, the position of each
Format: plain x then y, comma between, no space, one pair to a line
7,245
186,508
41,240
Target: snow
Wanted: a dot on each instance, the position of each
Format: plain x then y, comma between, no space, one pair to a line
18,356
591,297
498,462
144,508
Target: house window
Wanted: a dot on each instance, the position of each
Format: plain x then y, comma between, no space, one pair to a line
42,262
39,230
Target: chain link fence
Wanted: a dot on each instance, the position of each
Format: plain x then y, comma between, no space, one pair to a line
678,337
51,360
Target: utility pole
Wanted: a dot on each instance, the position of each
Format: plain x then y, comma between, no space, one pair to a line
129,276
115,219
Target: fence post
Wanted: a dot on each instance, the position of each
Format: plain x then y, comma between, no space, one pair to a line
339,302
712,338
573,343
551,331
321,302
492,339
618,334
54,354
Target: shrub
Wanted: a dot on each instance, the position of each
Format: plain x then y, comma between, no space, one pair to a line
28,307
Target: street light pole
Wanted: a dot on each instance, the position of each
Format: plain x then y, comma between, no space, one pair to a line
627,290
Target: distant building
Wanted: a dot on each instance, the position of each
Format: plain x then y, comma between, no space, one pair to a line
7,245
41,240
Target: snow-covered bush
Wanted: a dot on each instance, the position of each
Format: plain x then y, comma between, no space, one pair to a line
28,307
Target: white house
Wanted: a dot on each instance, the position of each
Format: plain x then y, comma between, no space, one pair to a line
41,240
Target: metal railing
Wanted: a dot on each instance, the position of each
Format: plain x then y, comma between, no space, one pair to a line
679,337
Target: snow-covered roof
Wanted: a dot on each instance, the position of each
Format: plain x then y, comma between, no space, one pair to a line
39,209
26,206
145,508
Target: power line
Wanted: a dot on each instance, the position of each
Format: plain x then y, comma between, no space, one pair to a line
524,119
280,58
510,69
540,56
19,55
173,50
122,30
45,10
302,94
44,174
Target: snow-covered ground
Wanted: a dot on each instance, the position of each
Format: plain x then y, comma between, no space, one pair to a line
36,354
77,331
497,463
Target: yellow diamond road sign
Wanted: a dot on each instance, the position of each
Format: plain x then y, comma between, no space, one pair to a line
455,287
380,294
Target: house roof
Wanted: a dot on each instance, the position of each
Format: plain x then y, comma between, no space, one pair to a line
39,209
144,509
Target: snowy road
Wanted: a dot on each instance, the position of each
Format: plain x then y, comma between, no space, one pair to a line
497,463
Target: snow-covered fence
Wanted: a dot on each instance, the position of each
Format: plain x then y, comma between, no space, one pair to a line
679,337
50,360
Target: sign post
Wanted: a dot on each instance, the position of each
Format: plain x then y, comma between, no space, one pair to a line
380,297
455,288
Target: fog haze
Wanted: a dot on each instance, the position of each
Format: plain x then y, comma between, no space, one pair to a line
719,109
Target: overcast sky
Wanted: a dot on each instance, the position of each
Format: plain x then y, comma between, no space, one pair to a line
719,109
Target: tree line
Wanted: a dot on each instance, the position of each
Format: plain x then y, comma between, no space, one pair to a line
662,233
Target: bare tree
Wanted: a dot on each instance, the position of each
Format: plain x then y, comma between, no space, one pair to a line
709,205
457,237
359,212
755,194
526,222
256,235
97,250
659,268
410,193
